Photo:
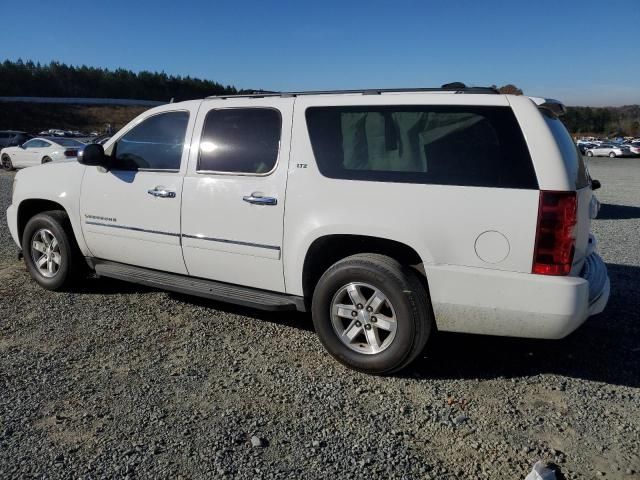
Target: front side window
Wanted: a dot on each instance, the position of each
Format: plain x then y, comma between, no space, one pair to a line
446,145
240,140
154,144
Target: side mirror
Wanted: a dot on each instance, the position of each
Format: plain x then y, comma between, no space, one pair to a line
595,184
92,155
22,146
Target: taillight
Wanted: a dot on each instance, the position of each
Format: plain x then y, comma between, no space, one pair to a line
71,153
555,237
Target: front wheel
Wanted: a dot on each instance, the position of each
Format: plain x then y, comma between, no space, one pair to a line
372,313
6,162
50,251
612,155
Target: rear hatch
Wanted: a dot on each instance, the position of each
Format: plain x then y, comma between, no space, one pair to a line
577,171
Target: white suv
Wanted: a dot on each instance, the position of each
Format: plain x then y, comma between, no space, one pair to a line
387,213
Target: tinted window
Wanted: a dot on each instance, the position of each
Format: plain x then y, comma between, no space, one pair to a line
240,140
448,145
154,144
67,142
32,144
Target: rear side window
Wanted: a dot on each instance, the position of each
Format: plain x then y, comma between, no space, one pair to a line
570,152
240,140
154,144
447,145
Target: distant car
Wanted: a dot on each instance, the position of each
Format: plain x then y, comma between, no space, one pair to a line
584,146
101,139
11,138
39,150
633,149
605,150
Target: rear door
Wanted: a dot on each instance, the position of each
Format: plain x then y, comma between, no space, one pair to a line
131,213
234,191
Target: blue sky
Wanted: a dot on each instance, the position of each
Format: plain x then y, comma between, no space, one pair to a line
582,52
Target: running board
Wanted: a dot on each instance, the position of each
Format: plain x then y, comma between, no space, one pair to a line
223,292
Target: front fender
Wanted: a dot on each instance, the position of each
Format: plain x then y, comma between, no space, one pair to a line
54,182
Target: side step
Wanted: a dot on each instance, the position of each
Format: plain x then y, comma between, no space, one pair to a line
223,292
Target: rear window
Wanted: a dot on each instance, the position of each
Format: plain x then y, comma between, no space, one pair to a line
447,145
67,142
570,152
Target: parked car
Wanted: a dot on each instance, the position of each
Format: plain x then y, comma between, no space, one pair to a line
386,215
101,139
39,150
10,138
631,149
605,150
584,146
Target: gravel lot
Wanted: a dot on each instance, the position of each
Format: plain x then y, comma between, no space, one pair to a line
116,380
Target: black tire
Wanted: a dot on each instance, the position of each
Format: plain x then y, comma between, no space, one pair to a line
612,155
46,160
404,291
72,263
589,154
6,162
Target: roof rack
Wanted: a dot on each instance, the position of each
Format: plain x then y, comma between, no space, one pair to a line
456,87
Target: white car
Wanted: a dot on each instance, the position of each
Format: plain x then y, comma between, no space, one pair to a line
605,150
38,151
386,214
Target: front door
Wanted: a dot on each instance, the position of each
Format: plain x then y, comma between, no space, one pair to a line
131,212
234,189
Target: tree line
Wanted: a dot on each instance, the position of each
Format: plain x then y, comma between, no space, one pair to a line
29,79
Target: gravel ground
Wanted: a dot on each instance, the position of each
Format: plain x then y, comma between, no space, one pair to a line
116,380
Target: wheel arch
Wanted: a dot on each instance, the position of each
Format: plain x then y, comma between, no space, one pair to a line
30,207
326,250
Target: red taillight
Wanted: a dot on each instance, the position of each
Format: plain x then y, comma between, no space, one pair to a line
555,239
71,153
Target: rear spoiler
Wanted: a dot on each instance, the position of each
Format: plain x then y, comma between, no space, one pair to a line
556,106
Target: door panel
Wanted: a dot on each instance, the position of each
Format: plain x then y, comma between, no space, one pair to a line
232,222
131,213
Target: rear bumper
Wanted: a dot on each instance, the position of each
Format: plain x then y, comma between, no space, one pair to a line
491,302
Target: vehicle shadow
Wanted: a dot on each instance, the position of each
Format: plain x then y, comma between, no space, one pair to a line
618,212
605,349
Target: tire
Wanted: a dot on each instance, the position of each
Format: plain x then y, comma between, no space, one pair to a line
612,155
589,154
405,300
6,162
46,160
54,274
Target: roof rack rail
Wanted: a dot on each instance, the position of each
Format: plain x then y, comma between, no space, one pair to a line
455,87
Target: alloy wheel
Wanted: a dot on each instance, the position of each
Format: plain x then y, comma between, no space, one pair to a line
45,252
363,318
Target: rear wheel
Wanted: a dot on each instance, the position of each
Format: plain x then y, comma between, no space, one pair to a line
50,250
372,313
46,160
6,162
612,155
589,154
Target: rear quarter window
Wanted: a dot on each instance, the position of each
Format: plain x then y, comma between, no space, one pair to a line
570,153
478,146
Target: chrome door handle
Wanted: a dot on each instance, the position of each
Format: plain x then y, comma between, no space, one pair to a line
260,200
162,193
